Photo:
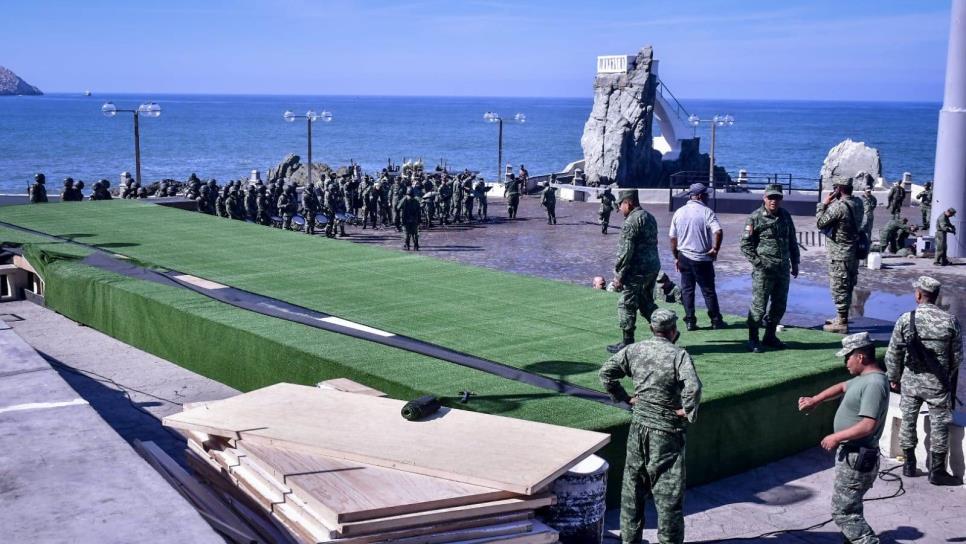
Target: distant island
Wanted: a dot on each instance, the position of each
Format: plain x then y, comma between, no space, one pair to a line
11,84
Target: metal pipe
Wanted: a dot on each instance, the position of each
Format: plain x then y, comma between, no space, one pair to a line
137,149
949,189
308,121
499,155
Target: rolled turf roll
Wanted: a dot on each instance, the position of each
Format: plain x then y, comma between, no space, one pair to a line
421,408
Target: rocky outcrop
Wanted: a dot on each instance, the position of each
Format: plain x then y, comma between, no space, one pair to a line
617,136
849,159
292,170
690,159
11,84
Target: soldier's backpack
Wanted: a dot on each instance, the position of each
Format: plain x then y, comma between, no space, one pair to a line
863,245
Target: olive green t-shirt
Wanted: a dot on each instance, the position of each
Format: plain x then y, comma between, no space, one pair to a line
865,396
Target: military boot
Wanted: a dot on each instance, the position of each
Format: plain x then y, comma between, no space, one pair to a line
628,340
937,470
754,345
909,465
771,339
838,325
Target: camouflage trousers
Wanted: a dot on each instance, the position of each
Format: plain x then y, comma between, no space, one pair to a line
926,212
895,210
412,234
940,416
637,296
768,287
849,489
941,248
604,219
654,467
512,201
842,275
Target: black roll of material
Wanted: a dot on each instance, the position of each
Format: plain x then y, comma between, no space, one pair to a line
421,408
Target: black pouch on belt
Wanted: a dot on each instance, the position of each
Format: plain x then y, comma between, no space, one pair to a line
866,459
420,408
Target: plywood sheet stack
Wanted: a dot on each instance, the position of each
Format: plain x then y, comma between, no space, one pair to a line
337,466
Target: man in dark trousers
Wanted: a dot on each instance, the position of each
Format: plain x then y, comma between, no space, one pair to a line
695,241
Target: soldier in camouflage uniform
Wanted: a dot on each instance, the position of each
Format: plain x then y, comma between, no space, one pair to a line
869,202
458,200
409,211
310,207
665,290
512,193
667,392
858,425
770,245
235,204
287,206
606,207
445,199
926,376
38,191
839,216
549,201
925,204
894,234
897,195
943,227
479,192
637,266
263,215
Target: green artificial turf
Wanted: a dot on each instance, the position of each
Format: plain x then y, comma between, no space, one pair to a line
748,413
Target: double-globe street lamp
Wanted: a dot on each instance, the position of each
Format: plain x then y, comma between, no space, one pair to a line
493,117
148,109
716,121
310,117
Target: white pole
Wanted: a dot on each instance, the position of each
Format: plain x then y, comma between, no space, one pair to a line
949,189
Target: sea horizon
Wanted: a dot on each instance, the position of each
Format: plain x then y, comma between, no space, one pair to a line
225,136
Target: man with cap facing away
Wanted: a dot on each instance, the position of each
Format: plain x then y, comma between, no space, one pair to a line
770,244
636,268
695,241
869,202
839,217
667,392
923,360
857,427
943,226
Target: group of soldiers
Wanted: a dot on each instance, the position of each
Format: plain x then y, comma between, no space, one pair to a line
922,362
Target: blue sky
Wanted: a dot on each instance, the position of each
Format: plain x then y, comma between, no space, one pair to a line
828,50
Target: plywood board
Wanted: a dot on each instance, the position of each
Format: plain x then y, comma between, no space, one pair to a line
349,386
479,449
343,491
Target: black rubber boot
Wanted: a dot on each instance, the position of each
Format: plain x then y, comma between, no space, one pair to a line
937,470
754,345
909,465
628,340
771,339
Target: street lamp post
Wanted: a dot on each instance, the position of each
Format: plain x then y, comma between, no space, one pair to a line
716,121
310,117
493,117
148,109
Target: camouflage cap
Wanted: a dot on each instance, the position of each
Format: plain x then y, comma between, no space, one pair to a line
927,284
846,182
774,189
951,211
663,320
627,194
853,342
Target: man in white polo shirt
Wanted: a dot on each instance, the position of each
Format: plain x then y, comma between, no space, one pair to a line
695,241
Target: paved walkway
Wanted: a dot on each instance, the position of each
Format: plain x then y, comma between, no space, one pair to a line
65,475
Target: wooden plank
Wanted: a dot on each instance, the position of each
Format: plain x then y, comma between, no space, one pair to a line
204,499
489,531
469,447
343,491
444,514
348,386
540,534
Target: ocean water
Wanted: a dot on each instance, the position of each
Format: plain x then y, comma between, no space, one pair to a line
225,137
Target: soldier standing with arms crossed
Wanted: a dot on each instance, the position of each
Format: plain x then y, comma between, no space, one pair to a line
869,203
770,245
667,392
923,360
897,194
925,204
635,271
840,216
858,425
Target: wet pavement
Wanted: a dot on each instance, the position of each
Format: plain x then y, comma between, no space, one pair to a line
574,250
